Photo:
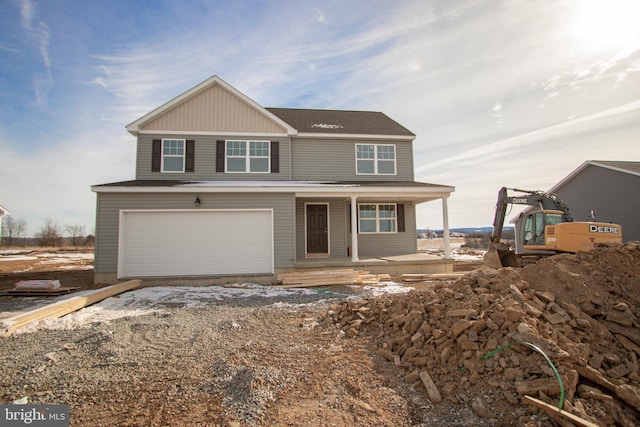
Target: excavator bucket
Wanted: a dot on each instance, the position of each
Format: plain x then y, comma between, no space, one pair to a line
500,255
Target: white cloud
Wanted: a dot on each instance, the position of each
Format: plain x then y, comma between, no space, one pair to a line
26,13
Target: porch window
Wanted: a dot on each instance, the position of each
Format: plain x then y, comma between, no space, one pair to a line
375,159
173,155
248,156
377,218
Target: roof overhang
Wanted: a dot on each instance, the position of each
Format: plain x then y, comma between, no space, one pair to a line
363,192
3,211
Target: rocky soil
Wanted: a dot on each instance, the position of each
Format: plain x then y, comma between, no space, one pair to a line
448,353
483,341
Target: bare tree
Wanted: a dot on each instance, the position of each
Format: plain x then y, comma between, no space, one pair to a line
75,233
49,234
12,229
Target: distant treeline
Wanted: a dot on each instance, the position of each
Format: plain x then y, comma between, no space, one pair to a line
22,242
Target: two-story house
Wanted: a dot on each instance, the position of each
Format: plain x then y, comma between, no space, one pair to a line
226,187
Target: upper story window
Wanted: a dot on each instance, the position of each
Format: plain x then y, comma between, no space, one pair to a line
377,218
173,157
375,159
248,156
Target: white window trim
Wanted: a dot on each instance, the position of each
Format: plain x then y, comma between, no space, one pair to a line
375,159
162,155
247,156
377,219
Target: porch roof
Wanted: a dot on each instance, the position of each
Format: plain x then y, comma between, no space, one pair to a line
419,192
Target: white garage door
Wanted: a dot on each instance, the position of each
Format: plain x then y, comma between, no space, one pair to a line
195,243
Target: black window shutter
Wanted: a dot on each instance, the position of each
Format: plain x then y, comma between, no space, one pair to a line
275,157
219,156
156,155
400,213
191,156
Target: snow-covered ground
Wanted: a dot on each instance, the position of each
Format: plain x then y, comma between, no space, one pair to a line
157,299
62,260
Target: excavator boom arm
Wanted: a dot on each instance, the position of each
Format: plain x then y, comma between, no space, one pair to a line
539,199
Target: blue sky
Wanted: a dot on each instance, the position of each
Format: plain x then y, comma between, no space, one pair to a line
499,93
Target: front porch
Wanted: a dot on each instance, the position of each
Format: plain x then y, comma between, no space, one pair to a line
395,266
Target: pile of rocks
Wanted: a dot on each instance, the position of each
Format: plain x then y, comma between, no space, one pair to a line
472,341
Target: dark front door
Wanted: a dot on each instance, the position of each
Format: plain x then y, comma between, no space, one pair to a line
317,230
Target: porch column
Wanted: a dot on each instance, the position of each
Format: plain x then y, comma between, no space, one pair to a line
354,230
445,228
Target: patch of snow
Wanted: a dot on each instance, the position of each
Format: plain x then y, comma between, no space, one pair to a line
144,301
386,288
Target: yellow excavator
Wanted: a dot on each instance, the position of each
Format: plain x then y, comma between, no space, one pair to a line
549,229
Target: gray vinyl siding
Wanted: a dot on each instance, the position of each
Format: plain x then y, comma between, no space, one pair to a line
369,245
335,160
110,204
389,244
614,197
205,160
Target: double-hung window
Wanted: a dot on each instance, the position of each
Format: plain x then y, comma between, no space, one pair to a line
173,155
375,159
377,218
248,156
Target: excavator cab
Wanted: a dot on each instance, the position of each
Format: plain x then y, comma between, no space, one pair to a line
535,224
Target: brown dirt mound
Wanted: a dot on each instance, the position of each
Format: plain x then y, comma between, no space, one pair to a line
580,310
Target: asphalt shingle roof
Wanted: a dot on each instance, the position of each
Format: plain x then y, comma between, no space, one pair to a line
341,122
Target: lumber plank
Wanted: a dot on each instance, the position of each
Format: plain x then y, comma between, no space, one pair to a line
418,277
552,410
39,292
61,308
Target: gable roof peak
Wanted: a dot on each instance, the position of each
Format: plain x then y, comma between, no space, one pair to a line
135,126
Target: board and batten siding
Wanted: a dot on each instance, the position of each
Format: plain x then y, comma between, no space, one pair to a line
110,204
205,160
214,110
335,160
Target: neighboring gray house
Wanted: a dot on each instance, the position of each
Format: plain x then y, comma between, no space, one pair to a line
226,187
611,189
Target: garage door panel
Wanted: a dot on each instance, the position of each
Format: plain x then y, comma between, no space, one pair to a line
166,243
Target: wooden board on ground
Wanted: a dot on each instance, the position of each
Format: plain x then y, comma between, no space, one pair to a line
552,410
420,277
297,279
66,306
39,292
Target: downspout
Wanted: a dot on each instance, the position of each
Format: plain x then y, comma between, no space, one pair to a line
445,228
354,230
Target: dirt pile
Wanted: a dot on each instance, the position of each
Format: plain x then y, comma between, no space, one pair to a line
482,340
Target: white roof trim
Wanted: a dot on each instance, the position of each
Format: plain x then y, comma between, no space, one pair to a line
134,127
3,211
583,166
196,133
300,188
602,165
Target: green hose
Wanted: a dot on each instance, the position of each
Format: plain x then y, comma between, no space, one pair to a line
539,350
